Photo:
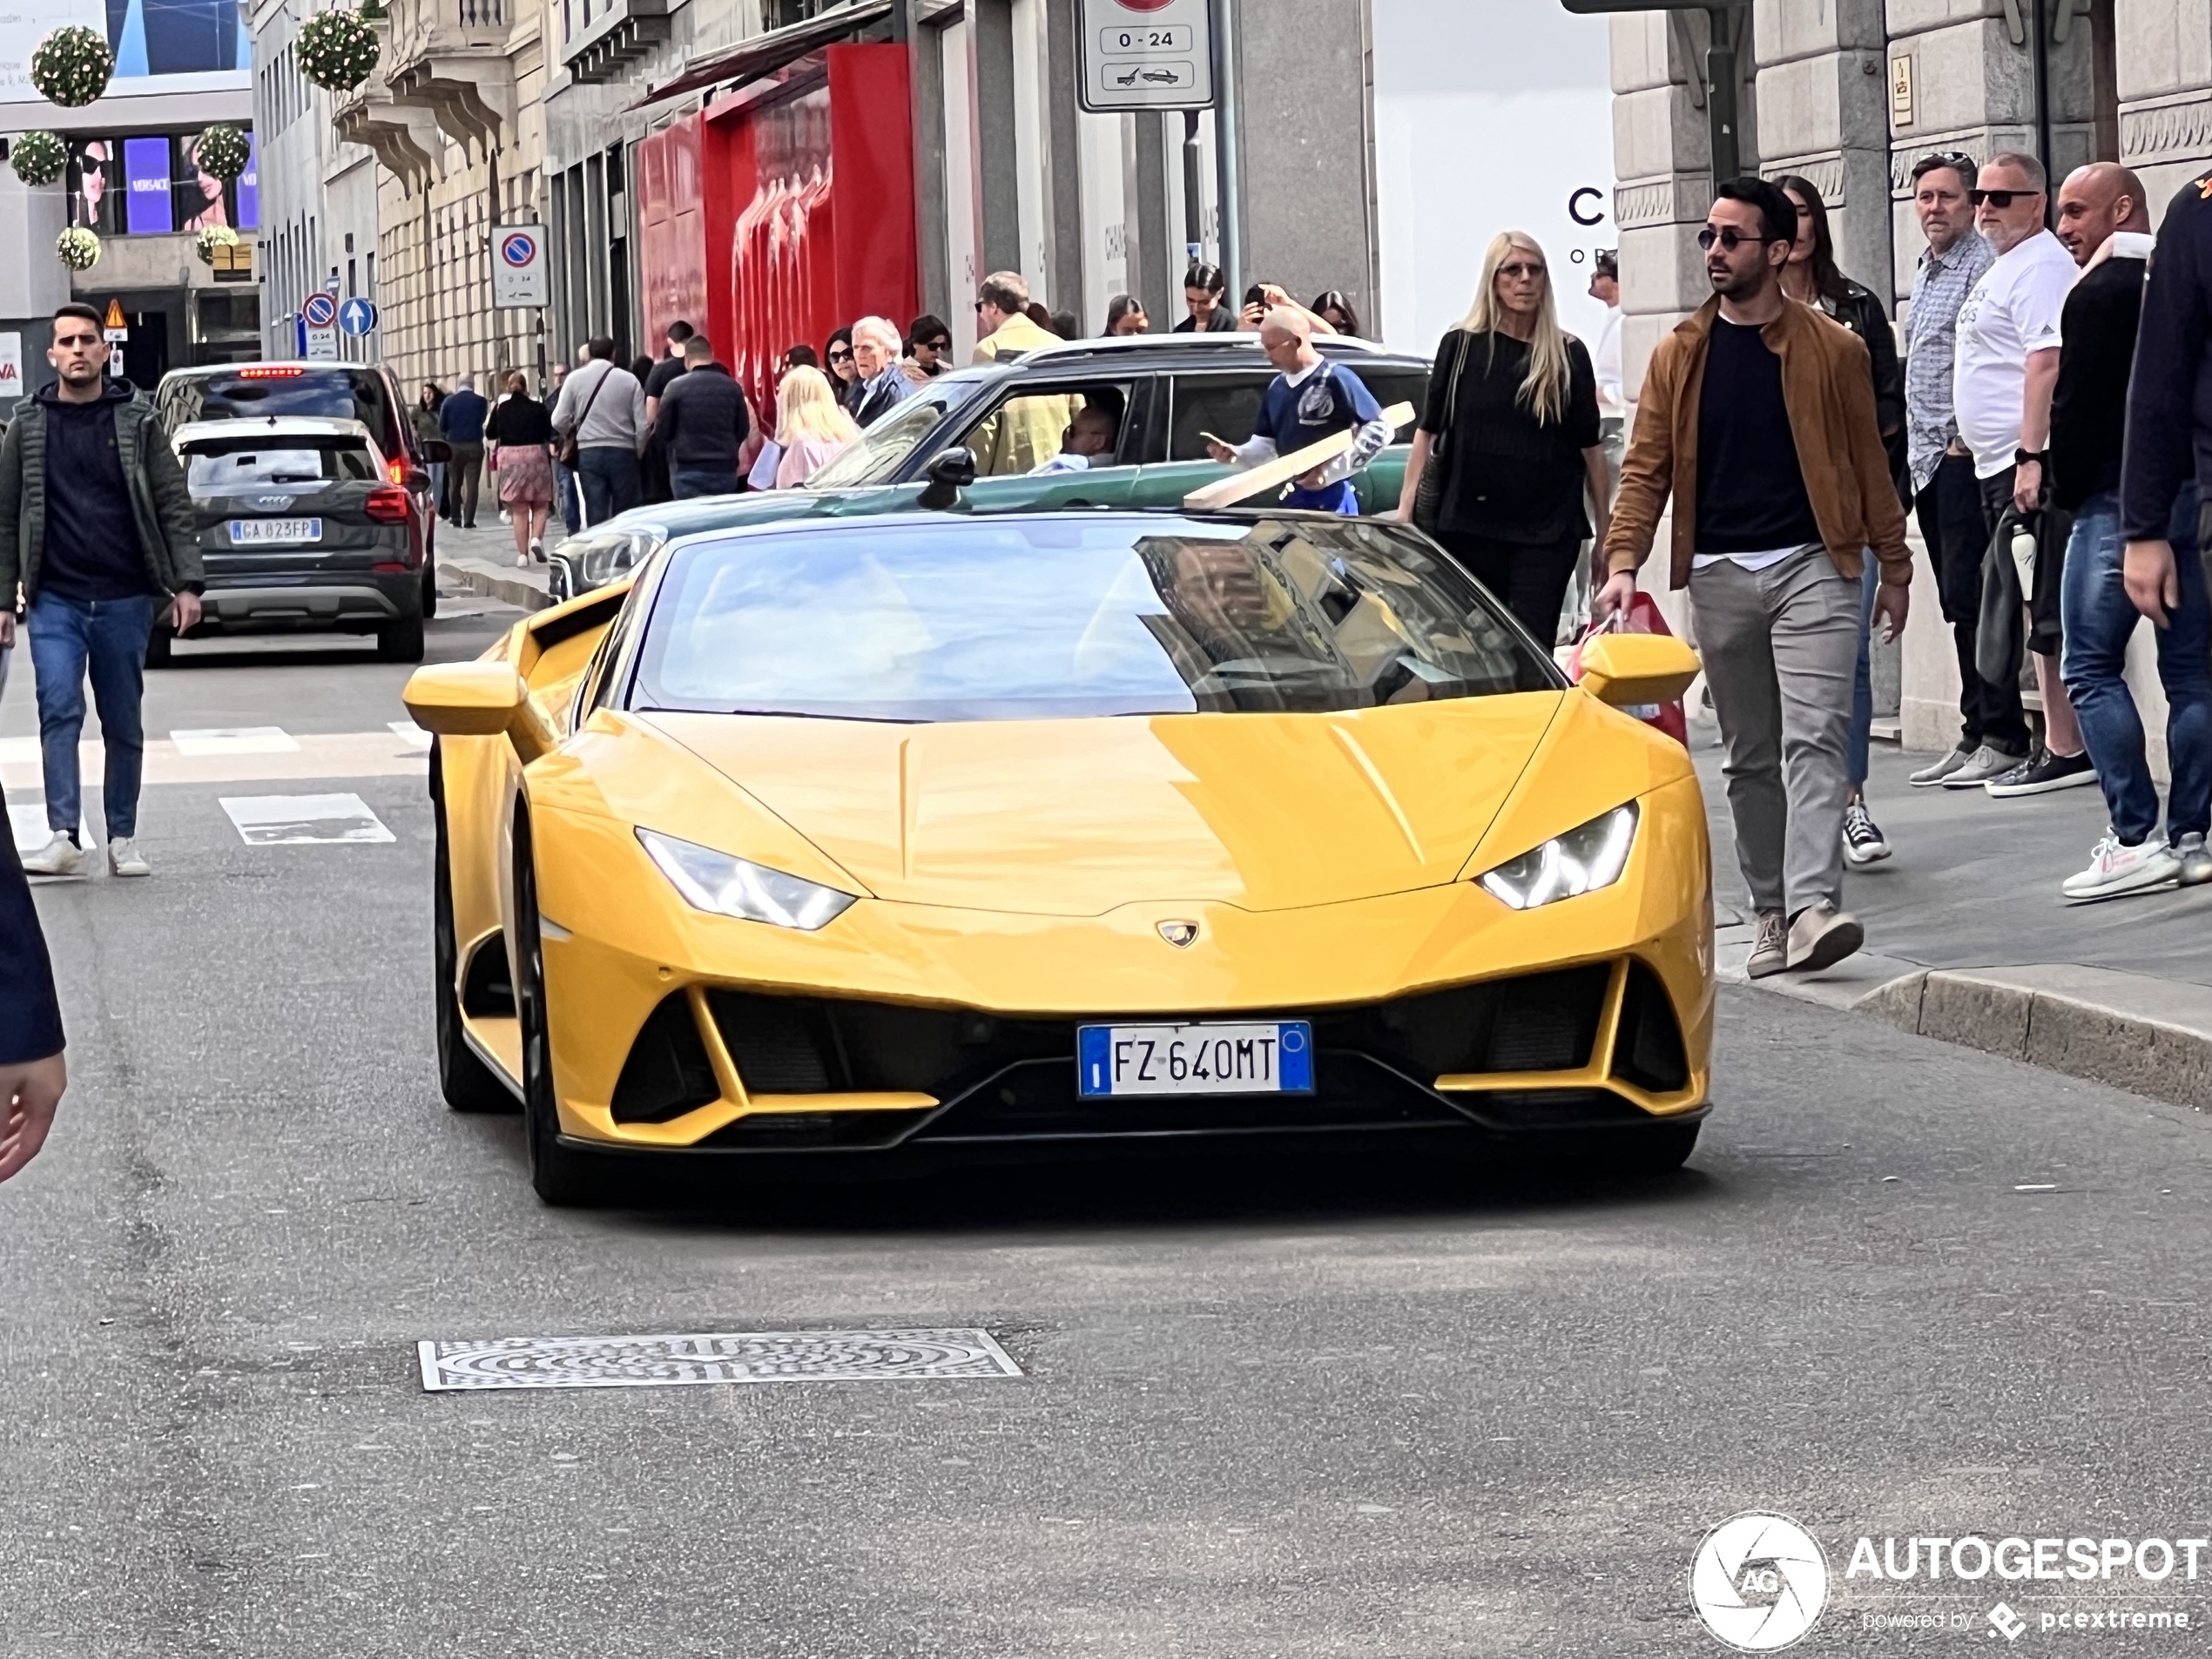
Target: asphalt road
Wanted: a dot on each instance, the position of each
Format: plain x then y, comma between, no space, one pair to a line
1302,1408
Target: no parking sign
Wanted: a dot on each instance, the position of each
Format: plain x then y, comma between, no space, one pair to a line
518,268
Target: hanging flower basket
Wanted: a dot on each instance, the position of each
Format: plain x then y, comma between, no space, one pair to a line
214,237
79,248
336,49
222,151
72,66
39,158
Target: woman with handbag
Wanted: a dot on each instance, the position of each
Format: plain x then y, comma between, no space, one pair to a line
521,435
1509,449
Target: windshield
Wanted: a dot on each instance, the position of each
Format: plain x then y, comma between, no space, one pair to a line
264,389
963,619
217,467
883,448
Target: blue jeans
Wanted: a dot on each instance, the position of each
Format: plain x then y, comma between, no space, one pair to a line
686,483
1862,691
612,482
108,636
2099,621
571,496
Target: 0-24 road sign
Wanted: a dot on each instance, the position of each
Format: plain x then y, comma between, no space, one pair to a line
1146,54
519,274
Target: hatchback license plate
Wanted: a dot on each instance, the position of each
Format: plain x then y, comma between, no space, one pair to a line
1274,1057
247,530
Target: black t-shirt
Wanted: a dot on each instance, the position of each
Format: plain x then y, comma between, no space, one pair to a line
1751,490
1224,321
1509,476
664,372
2089,404
90,549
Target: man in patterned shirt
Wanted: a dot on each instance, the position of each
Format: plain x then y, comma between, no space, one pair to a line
1946,501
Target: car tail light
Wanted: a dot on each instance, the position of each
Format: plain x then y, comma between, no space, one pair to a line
396,471
387,504
263,372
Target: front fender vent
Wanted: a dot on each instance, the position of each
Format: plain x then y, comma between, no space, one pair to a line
668,1073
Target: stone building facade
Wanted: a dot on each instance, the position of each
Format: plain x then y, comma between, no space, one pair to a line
1850,93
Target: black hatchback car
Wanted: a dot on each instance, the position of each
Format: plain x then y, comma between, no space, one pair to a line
362,392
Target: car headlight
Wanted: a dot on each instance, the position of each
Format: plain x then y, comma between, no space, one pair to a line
600,557
1583,860
730,887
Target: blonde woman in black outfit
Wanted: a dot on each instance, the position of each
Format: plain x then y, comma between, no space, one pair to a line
1512,421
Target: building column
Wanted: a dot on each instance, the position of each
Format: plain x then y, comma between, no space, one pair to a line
2162,51
1824,113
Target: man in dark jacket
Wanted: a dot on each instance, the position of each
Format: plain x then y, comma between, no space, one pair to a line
461,417
703,424
2104,224
96,523
2169,402
32,1072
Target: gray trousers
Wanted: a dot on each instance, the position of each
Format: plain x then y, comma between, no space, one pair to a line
1781,651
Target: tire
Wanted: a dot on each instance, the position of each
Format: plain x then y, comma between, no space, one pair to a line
158,647
429,587
467,1083
401,641
561,1174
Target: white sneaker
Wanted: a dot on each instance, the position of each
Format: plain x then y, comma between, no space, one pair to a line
2196,859
60,856
124,859
521,560
2115,868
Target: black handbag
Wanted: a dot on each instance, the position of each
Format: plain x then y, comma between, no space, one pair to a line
1428,493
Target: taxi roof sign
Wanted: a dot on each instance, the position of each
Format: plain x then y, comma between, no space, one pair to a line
115,314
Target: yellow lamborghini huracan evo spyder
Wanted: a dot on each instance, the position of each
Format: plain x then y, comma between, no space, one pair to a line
890,840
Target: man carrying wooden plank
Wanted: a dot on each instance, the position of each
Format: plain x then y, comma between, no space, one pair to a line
1310,400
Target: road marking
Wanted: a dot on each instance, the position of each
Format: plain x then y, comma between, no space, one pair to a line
411,734
315,754
736,1357
295,820
236,740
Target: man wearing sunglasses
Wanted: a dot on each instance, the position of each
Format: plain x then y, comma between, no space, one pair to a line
1757,417
2006,368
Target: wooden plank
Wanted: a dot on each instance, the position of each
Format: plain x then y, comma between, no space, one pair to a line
1241,486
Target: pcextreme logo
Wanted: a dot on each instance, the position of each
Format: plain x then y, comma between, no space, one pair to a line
1759,1581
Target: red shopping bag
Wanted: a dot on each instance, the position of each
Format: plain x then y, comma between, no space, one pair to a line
1640,617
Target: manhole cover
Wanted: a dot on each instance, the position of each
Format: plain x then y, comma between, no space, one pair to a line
720,1356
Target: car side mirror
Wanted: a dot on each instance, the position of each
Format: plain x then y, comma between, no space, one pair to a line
949,472
1628,670
478,699
436,450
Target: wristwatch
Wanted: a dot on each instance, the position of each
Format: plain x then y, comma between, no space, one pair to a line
2023,457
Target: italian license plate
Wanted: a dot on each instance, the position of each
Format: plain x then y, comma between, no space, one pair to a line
244,532
1274,1057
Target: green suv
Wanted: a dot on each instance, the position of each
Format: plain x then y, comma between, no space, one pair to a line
1166,392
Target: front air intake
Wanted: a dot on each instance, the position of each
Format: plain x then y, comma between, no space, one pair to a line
668,1073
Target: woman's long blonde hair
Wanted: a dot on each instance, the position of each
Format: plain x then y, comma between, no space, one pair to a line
1543,389
805,407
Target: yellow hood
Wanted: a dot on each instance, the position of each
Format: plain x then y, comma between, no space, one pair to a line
1267,812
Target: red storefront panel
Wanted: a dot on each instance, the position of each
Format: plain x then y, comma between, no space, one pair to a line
672,243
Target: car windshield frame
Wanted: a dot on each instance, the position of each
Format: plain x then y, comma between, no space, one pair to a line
1120,614
882,451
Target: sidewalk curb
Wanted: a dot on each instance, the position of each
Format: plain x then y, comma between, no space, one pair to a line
512,589
2149,1036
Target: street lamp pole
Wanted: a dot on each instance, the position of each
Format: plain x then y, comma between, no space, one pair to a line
1229,182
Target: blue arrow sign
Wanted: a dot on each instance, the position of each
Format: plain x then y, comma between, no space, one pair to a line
357,316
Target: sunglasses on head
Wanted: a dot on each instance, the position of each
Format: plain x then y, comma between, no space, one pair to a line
1999,199
1730,238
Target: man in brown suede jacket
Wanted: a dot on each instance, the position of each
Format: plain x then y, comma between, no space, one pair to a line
1757,416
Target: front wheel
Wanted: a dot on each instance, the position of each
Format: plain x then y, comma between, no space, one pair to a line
561,1174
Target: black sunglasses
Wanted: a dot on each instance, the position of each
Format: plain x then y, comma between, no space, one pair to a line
1731,238
838,355
1999,199
942,343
